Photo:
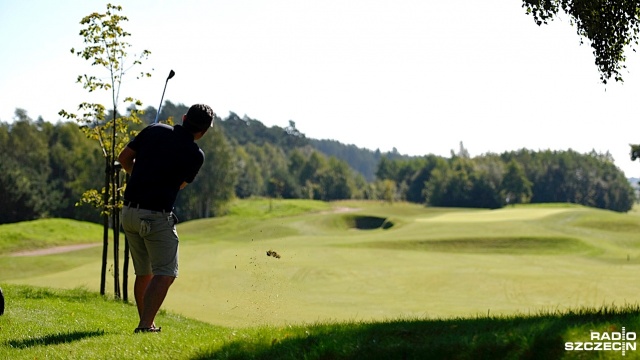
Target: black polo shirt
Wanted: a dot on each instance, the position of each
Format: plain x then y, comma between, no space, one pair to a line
165,158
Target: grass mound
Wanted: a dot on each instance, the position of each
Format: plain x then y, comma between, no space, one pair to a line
262,208
608,221
499,215
37,234
78,324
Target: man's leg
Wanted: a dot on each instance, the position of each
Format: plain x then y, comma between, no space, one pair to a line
153,297
139,288
162,247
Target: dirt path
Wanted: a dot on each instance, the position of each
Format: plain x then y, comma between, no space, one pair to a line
54,250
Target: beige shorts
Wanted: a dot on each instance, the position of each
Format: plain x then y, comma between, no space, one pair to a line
153,240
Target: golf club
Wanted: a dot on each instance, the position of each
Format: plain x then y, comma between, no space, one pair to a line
171,74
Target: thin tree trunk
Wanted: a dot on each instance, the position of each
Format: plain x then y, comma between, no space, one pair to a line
105,234
116,255
105,217
116,233
114,201
125,272
105,249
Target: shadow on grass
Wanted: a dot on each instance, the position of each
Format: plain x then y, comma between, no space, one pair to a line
521,337
497,245
53,339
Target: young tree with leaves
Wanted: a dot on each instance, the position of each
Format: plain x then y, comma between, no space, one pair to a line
107,48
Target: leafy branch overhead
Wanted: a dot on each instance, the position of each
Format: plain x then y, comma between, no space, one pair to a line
611,26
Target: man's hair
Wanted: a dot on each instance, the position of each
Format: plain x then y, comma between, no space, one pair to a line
199,117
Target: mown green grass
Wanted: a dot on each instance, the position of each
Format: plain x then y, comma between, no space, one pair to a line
432,264
330,270
24,267
78,324
44,323
609,221
36,234
245,215
261,208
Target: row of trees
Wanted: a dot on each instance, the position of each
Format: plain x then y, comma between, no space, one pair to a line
524,176
45,169
48,167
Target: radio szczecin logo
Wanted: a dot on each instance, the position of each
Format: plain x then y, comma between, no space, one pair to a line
605,341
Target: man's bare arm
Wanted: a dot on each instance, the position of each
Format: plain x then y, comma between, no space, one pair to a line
127,158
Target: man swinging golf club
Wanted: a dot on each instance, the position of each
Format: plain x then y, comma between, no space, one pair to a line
161,160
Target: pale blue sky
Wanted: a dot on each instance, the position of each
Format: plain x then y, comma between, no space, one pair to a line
421,76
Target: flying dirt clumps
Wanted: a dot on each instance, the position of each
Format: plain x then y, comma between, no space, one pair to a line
273,253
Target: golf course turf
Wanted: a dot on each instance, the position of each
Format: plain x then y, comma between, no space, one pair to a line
357,264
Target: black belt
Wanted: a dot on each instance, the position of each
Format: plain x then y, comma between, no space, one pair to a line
140,206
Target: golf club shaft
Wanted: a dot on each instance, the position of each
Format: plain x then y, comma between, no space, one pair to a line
162,98
171,74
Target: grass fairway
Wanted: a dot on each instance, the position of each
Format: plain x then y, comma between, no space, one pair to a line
366,261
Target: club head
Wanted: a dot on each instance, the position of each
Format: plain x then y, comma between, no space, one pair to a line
171,74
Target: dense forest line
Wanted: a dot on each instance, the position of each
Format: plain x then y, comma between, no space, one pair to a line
47,167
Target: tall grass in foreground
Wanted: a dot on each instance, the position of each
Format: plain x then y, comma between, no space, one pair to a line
77,324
